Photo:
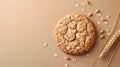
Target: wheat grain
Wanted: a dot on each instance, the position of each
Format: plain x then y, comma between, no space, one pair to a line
109,44
66,65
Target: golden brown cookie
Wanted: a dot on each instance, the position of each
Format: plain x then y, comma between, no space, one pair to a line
75,34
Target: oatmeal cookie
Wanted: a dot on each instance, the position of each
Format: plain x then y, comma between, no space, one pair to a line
75,34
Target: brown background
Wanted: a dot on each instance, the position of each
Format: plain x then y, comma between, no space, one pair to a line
26,24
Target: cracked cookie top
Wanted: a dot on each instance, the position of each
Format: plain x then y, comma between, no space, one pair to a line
75,34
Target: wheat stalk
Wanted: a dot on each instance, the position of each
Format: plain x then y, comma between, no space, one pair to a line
95,60
112,56
109,44
110,41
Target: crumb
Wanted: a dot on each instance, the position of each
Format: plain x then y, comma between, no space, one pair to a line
99,22
106,22
74,60
45,44
108,17
66,65
83,9
67,58
99,14
77,5
56,55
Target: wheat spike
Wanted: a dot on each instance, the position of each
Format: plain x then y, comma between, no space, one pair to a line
109,44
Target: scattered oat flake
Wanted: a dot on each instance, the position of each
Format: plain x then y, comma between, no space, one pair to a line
88,2
97,11
108,17
83,9
74,60
77,5
45,44
102,36
67,58
90,14
66,65
56,55
106,22
102,31
103,19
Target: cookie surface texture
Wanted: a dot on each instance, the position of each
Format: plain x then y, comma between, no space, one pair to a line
75,34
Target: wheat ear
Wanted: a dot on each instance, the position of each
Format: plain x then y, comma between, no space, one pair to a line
109,44
95,60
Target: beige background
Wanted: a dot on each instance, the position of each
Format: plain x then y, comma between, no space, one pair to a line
26,24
